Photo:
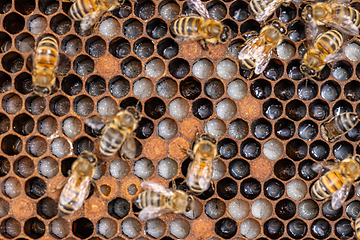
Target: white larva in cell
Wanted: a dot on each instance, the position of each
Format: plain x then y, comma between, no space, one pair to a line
143,88
107,107
36,146
167,168
71,127
73,47
341,74
308,209
169,11
37,105
37,25
166,88
155,228
296,189
226,69
196,211
179,228
84,67
219,169
273,149
226,109
234,49
100,169
4,208
250,228
59,227
11,187
60,147
48,167
285,51
119,168
167,128
239,209
109,27
215,208
352,51
12,104
84,106
143,168
11,227
203,68
178,108
237,89
261,209
215,127
106,227
47,126
25,45
131,228
24,167
155,68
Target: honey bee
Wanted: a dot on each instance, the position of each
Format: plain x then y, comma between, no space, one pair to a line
156,200
77,185
45,65
337,182
258,49
333,14
118,133
200,28
356,226
201,169
262,9
337,126
89,11
324,49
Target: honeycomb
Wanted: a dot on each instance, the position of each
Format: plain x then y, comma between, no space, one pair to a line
267,127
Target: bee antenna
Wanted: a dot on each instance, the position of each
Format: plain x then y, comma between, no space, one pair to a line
137,104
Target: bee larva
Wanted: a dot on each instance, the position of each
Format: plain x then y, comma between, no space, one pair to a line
337,126
156,200
45,64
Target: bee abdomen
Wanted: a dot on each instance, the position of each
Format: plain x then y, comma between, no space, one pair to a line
345,122
329,42
81,8
357,227
47,52
186,26
258,6
248,63
149,198
111,142
326,185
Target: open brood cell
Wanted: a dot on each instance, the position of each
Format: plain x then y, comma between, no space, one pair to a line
267,127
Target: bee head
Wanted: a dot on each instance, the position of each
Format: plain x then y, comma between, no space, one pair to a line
225,35
190,204
134,112
312,62
278,25
307,13
320,11
42,91
42,82
89,156
306,71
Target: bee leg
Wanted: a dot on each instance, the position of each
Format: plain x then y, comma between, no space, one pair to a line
204,45
251,74
188,151
212,184
249,35
173,184
60,185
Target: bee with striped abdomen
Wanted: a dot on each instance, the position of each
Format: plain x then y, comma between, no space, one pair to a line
333,14
45,64
337,182
337,126
77,185
200,28
257,51
201,169
90,11
118,133
156,200
262,9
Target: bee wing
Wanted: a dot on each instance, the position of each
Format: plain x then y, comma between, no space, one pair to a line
129,147
92,18
199,6
334,56
346,26
269,9
149,185
261,65
324,167
339,197
311,32
95,122
151,212
243,54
